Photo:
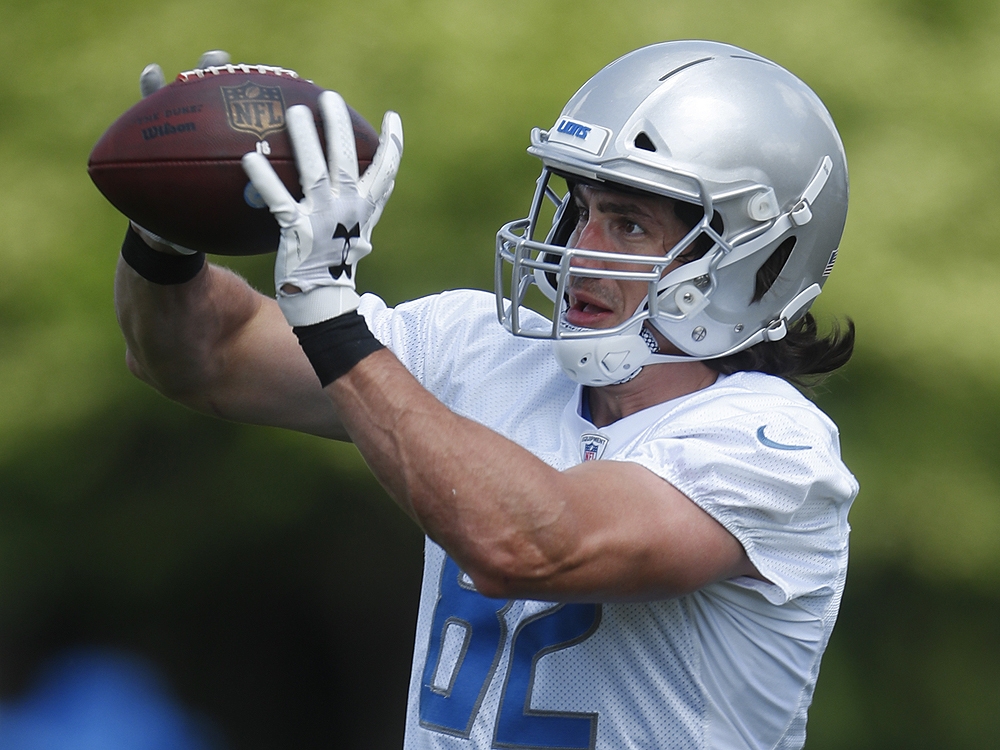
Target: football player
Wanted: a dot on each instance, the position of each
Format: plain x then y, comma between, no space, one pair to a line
636,523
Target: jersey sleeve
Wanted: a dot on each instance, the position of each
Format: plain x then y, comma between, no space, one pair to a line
776,482
401,329
443,339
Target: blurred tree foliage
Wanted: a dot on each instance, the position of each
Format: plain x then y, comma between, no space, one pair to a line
266,572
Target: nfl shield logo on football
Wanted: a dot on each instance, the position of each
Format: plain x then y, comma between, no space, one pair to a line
255,109
592,446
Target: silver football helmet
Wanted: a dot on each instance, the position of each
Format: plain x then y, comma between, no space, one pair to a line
708,124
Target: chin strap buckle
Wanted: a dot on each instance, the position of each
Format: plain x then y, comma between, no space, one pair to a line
801,214
777,329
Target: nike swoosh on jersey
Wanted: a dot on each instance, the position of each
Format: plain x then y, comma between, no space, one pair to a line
778,446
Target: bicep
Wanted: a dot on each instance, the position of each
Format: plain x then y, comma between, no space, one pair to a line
637,537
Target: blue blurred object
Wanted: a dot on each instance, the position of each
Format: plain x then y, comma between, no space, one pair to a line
100,700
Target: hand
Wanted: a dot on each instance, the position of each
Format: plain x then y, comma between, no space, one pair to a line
324,235
151,80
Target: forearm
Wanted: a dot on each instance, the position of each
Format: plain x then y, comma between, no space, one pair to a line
466,486
175,333
600,531
221,348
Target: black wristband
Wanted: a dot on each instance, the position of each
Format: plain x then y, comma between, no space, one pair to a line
157,267
334,346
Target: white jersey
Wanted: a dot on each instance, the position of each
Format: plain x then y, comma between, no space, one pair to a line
732,665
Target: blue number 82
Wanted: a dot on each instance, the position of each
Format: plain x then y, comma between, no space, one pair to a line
466,642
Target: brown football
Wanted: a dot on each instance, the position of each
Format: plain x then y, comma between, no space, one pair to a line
171,163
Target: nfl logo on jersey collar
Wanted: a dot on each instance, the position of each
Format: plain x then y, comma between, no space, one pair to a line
592,446
581,437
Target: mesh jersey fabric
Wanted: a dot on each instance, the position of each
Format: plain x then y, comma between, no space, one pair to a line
732,665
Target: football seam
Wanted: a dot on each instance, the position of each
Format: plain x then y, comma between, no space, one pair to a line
216,70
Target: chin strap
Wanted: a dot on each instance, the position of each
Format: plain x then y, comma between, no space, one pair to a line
605,360
610,360
654,348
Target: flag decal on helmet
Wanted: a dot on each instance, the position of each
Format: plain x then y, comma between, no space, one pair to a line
829,265
592,446
582,135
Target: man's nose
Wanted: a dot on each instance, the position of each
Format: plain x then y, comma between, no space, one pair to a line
591,237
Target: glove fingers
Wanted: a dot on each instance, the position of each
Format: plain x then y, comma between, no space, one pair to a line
271,188
308,155
151,79
380,176
214,58
342,154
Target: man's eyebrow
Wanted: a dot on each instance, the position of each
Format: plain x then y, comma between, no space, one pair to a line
613,205
610,206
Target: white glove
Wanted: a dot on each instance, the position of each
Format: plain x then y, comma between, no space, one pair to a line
325,234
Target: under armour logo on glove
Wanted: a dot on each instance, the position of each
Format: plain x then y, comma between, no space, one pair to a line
345,234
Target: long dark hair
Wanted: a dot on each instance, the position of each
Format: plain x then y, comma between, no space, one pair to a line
803,356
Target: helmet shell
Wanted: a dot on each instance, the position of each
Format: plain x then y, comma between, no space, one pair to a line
715,125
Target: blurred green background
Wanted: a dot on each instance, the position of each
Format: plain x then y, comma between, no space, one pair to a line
265,573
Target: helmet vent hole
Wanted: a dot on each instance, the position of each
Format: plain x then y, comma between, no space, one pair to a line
683,67
644,142
771,269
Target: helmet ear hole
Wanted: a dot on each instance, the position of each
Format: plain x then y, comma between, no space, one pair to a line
771,268
644,142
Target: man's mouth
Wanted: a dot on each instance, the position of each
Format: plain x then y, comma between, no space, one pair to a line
587,312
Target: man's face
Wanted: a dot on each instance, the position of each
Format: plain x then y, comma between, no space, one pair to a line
617,222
